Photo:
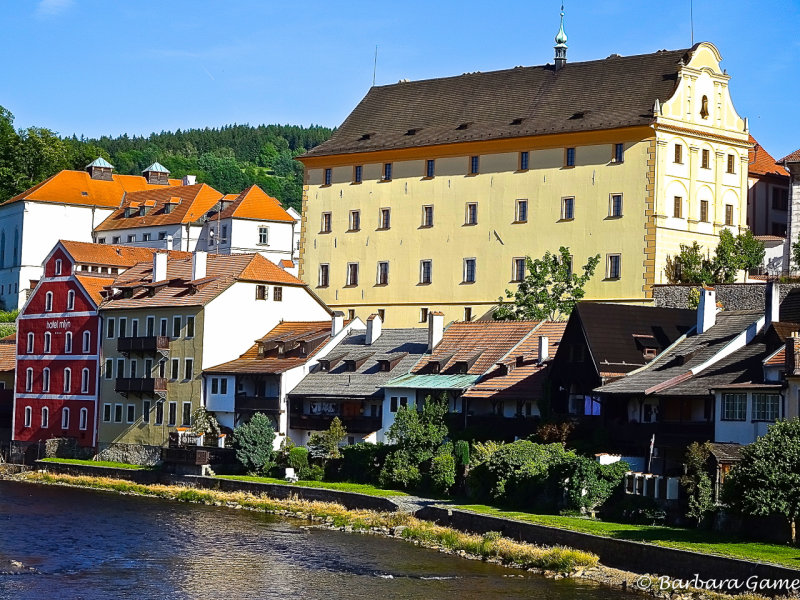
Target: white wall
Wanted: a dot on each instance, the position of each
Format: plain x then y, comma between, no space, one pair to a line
180,241
747,431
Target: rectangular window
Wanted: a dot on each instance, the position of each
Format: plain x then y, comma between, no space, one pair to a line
385,219
352,274
430,168
387,171
131,238
175,367
134,327
123,327
355,220
383,273
109,368
223,386
148,368
427,216
223,234
705,159
145,411
133,368
131,413
523,161
569,157
472,214
615,206
118,413
190,326
29,380
277,293
115,239
173,414
474,165
120,368
106,413
677,207
145,237
567,209
188,369
518,269
186,416
393,404
423,315
176,326
468,313
110,328
162,235
160,413
382,314
469,270
163,328
425,271
729,214
704,211
326,223
263,235
766,407
215,385
261,292
731,160
328,176
619,153
613,266
324,275
678,154
351,314
521,213
358,174
734,407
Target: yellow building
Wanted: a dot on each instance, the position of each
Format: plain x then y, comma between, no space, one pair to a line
432,192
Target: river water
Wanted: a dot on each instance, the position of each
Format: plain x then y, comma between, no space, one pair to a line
98,545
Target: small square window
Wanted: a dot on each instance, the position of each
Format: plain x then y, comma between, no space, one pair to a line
261,292
567,209
569,157
523,162
131,238
277,294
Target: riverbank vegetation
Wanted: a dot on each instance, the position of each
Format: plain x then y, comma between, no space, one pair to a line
341,486
98,463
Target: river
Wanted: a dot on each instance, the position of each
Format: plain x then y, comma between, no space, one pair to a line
99,545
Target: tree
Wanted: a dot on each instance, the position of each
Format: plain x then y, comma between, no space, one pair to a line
549,290
796,253
420,433
325,445
733,254
205,423
767,479
696,481
253,442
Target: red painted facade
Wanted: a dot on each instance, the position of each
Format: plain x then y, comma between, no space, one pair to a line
58,309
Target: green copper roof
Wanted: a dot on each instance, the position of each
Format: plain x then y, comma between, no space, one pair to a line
100,162
156,167
561,36
432,382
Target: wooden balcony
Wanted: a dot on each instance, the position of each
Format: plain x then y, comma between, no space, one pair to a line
147,344
145,385
671,434
262,404
360,424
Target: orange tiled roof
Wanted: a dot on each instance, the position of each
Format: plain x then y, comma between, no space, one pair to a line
525,381
77,187
112,255
463,340
94,285
195,201
793,157
762,162
8,357
285,331
261,269
778,359
255,203
286,263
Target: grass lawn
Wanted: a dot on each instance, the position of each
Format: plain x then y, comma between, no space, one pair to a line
707,542
96,463
359,488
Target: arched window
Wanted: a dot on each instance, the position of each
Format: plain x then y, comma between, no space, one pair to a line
29,379
704,107
65,418
85,381
84,419
87,342
71,300
47,342
46,379
45,417
48,301
68,342
28,416
29,349
67,380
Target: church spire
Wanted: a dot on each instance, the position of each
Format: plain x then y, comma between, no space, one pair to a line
561,43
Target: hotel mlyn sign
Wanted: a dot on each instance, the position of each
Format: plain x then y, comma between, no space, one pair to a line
626,157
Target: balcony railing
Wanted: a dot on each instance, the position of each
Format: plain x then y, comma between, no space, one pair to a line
358,424
146,385
265,404
151,343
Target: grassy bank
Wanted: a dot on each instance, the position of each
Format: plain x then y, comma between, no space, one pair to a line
98,463
695,540
358,488
558,559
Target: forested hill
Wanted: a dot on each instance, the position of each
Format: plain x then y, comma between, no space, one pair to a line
229,158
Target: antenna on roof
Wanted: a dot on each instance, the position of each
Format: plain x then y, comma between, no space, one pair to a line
691,18
375,65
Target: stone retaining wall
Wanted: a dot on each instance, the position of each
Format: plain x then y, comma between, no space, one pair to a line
135,454
733,296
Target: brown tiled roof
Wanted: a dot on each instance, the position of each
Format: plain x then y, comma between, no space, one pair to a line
761,162
8,357
778,359
525,381
461,341
254,203
791,158
272,363
77,187
94,285
190,203
602,94
112,255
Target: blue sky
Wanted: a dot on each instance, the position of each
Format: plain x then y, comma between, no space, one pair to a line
97,67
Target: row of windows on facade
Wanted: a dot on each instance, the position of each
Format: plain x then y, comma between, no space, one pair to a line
15,253
705,159
47,345
518,271
44,423
132,370
114,414
473,165
703,217
13,288
119,327
765,407
70,303
45,381
263,237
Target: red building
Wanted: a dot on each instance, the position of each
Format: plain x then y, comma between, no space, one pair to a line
58,342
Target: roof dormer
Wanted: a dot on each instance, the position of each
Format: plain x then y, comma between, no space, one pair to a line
100,169
156,174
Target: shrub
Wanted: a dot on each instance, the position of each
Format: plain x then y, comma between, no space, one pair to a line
298,458
312,473
443,472
482,451
588,484
399,471
462,453
419,433
325,445
696,481
362,462
253,442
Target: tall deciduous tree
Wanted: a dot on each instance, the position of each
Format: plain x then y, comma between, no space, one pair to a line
733,254
253,442
550,289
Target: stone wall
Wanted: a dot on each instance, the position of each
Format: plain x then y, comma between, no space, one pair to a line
143,476
134,454
733,296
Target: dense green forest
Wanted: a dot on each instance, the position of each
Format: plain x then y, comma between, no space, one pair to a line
229,158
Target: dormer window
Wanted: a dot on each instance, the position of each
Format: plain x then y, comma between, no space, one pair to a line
704,107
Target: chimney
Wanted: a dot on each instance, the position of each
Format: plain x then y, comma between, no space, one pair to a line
169,242
199,263
771,304
189,179
337,323
707,309
543,348
159,266
373,329
435,329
